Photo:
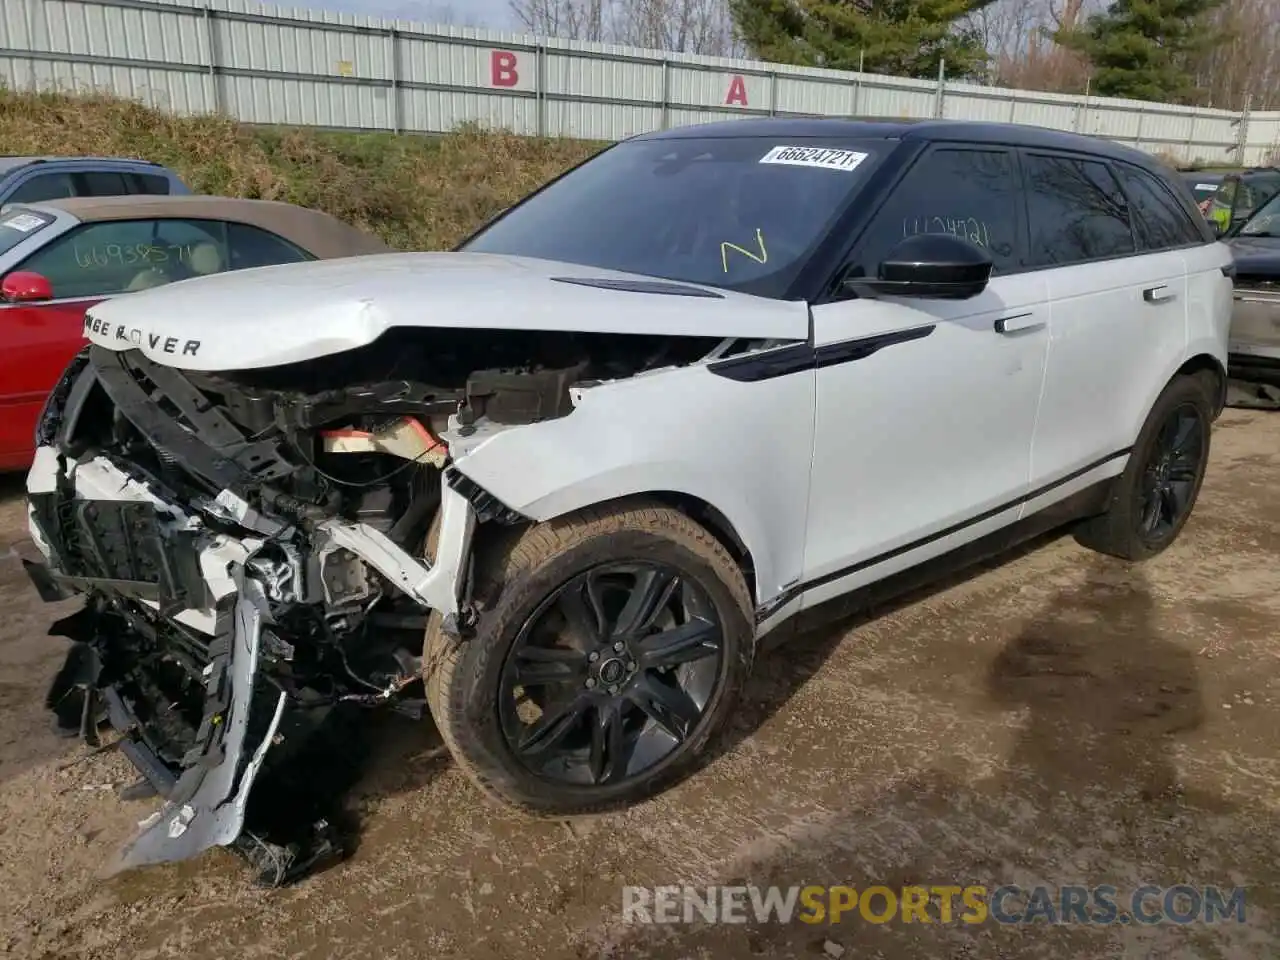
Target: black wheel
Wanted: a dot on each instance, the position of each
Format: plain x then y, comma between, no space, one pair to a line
610,648
1154,496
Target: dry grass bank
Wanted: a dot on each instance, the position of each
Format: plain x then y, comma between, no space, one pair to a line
417,193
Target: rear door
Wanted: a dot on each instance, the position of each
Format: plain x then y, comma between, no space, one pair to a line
1117,315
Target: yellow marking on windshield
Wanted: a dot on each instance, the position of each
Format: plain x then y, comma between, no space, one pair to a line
763,256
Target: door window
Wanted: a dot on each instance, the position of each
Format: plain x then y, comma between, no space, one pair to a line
1162,222
122,256
967,193
1075,211
45,186
252,247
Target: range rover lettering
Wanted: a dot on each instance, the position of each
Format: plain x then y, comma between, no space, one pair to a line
713,383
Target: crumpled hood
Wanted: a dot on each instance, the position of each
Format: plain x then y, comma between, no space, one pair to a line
284,314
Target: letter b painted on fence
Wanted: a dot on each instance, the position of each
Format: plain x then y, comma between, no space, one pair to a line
502,69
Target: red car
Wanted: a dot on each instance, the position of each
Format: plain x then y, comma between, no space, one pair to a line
59,258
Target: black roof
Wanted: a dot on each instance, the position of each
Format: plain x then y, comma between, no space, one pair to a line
969,131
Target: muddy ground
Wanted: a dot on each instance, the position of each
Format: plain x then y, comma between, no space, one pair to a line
1057,718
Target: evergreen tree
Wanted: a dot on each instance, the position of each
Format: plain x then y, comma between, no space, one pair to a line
898,37
1144,49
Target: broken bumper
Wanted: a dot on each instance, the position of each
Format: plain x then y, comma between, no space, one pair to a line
159,569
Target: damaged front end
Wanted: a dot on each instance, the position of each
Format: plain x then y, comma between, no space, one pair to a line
250,548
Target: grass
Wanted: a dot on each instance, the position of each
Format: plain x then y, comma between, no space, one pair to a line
415,192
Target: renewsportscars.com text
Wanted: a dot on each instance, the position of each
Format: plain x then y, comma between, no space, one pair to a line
940,903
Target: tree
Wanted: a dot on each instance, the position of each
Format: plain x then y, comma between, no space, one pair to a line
1145,49
900,37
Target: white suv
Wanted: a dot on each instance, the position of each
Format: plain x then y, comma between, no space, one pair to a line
711,379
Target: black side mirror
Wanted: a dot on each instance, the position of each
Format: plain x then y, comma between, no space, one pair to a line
934,265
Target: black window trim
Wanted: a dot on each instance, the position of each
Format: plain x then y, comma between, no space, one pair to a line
1173,200
1108,163
831,292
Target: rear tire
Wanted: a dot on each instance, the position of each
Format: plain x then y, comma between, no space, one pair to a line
1152,500
578,616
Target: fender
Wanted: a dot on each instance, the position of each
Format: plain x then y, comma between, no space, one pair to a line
1202,352
683,434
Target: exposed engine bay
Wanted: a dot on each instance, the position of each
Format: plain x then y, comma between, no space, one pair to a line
251,548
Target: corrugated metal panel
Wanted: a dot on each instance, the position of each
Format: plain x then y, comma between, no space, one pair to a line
91,29
883,99
183,93
588,121
430,111
566,75
306,102
796,95
277,64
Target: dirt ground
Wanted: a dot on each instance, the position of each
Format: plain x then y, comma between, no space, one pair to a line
1053,719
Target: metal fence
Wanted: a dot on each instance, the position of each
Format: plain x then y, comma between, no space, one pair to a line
275,65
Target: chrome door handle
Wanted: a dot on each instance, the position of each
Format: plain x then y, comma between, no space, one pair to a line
1018,321
1160,294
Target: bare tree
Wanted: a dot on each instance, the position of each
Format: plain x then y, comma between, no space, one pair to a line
568,19
1019,36
682,26
1245,64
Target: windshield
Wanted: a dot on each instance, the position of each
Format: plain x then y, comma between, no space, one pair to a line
737,213
18,223
1265,221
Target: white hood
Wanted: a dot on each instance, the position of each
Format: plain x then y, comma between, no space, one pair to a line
276,315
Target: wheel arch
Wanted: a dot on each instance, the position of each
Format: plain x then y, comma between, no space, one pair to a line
696,508
1202,363
747,538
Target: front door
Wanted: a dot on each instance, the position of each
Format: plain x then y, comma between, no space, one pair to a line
925,409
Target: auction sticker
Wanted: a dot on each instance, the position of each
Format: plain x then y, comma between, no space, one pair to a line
23,222
827,158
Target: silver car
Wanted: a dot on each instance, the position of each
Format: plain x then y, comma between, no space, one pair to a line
1255,322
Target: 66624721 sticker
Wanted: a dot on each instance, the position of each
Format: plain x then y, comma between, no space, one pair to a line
826,158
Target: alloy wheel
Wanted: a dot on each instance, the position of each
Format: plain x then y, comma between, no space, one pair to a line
1172,473
611,674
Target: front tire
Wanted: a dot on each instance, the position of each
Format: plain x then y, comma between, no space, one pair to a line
610,648
1153,498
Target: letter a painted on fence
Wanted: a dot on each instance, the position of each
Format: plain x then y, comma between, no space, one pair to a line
503,71
737,91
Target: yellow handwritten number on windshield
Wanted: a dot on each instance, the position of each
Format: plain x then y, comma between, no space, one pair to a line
762,257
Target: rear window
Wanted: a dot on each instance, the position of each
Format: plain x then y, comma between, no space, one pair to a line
736,213
18,223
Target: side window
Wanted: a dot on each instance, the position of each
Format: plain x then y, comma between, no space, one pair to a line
1162,223
148,183
1075,210
121,256
970,193
46,186
100,183
252,247
1252,193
